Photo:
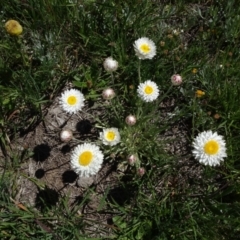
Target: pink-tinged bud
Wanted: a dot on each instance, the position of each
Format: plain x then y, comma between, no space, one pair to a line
132,159
108,93
130,120
141,171
110,65
176,79
66,135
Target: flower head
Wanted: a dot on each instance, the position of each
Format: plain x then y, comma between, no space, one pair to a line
130,120
194,70
148,91
145,48
141,171
72,100
176,79
132,159
66,135
199,93
209,148
110,65
86,159
110,136
13,27
216,116
108,93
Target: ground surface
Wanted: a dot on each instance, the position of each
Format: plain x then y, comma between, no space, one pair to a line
46,176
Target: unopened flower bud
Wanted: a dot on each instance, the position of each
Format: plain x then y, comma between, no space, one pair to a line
194,71
141,171
108,93
66,135
162,43
216,116
176,32
130,120
132,159
110,65
176,79
199,93
13,27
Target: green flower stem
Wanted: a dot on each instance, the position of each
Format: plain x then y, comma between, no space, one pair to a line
166,94
112,77
21,47
193,115
139,71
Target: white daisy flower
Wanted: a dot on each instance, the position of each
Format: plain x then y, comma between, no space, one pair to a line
72,100
86,159
145,48
148,91
110,65
209,148
110,136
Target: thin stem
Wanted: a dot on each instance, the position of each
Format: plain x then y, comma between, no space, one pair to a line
139,71
166,94
193,116
112,77
21,46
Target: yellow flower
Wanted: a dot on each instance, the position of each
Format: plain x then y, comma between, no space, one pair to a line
199,93
194,71
13,27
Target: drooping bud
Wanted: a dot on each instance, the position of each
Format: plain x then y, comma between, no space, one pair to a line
108,93
141,171
110,65
66,135
176,79
130,120
132,159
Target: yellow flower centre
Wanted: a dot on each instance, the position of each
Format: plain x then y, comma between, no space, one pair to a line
211,147
148,90
85,158
72,100
145,48
110,135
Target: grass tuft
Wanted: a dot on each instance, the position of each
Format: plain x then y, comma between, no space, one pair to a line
165,193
